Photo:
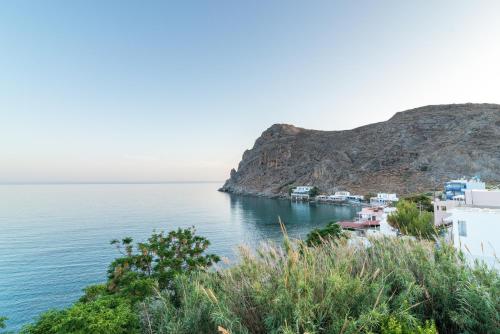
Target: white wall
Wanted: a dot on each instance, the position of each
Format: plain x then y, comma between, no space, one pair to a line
482,239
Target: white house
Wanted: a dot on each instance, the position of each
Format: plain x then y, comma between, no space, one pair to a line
383,199
475,197
371,222
302,190
476,232
455,188
339,196
474,223
301,193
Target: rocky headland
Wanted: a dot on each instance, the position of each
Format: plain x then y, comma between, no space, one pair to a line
414,151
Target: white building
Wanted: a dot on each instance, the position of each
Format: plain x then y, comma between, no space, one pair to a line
301,193
355,198
302,190
456,188
339,196
474,223
476,197
476,231
486,198
383,199
442,208
371,222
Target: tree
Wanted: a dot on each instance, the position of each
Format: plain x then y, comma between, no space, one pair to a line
314,192
157,261
368,196
422,201
332,231
409,220
111,308
2,322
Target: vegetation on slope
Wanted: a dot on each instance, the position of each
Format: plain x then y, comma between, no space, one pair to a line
422,201
112,308
394,285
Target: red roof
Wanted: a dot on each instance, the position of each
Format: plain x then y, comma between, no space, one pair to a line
359,224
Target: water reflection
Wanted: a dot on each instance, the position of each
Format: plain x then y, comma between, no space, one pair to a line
261,216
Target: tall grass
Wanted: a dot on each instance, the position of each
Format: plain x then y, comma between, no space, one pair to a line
393,286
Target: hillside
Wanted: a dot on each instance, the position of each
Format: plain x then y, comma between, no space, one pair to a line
414,151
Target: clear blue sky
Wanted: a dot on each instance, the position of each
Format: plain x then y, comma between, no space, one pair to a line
157,91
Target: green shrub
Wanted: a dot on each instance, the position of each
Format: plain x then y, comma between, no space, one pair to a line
394,285
111,308
157,262
368,196
332,231
409,220
104,315
314,192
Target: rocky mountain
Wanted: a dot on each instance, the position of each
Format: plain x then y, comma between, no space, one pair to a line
414,151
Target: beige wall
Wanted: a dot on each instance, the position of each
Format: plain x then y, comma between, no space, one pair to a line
486,198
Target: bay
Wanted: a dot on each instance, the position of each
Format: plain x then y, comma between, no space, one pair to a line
54,239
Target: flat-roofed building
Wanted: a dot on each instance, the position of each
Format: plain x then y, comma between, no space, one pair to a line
473,223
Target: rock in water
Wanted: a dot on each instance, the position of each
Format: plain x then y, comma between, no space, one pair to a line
414,151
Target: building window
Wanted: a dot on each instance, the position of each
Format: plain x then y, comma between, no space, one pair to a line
462,228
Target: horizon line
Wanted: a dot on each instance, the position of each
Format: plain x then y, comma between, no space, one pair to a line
105,182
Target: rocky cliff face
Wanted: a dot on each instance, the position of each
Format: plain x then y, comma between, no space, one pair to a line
414,151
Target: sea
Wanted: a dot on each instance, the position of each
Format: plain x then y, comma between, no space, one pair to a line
55,238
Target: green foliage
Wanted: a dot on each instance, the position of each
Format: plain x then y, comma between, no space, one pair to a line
111,308
422,201
368,196
157,262
314,192
332,231
409,220
394,326
394,286
2,322
105,315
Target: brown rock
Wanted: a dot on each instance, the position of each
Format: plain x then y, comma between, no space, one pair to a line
414,151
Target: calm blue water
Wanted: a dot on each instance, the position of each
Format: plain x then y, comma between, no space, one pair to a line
54,239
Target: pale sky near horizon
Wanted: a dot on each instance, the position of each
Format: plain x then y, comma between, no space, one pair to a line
96,91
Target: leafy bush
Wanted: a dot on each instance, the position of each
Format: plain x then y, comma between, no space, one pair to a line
410,221
105,315
111,308
332,231
394,286
369,195
314,192
157,261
